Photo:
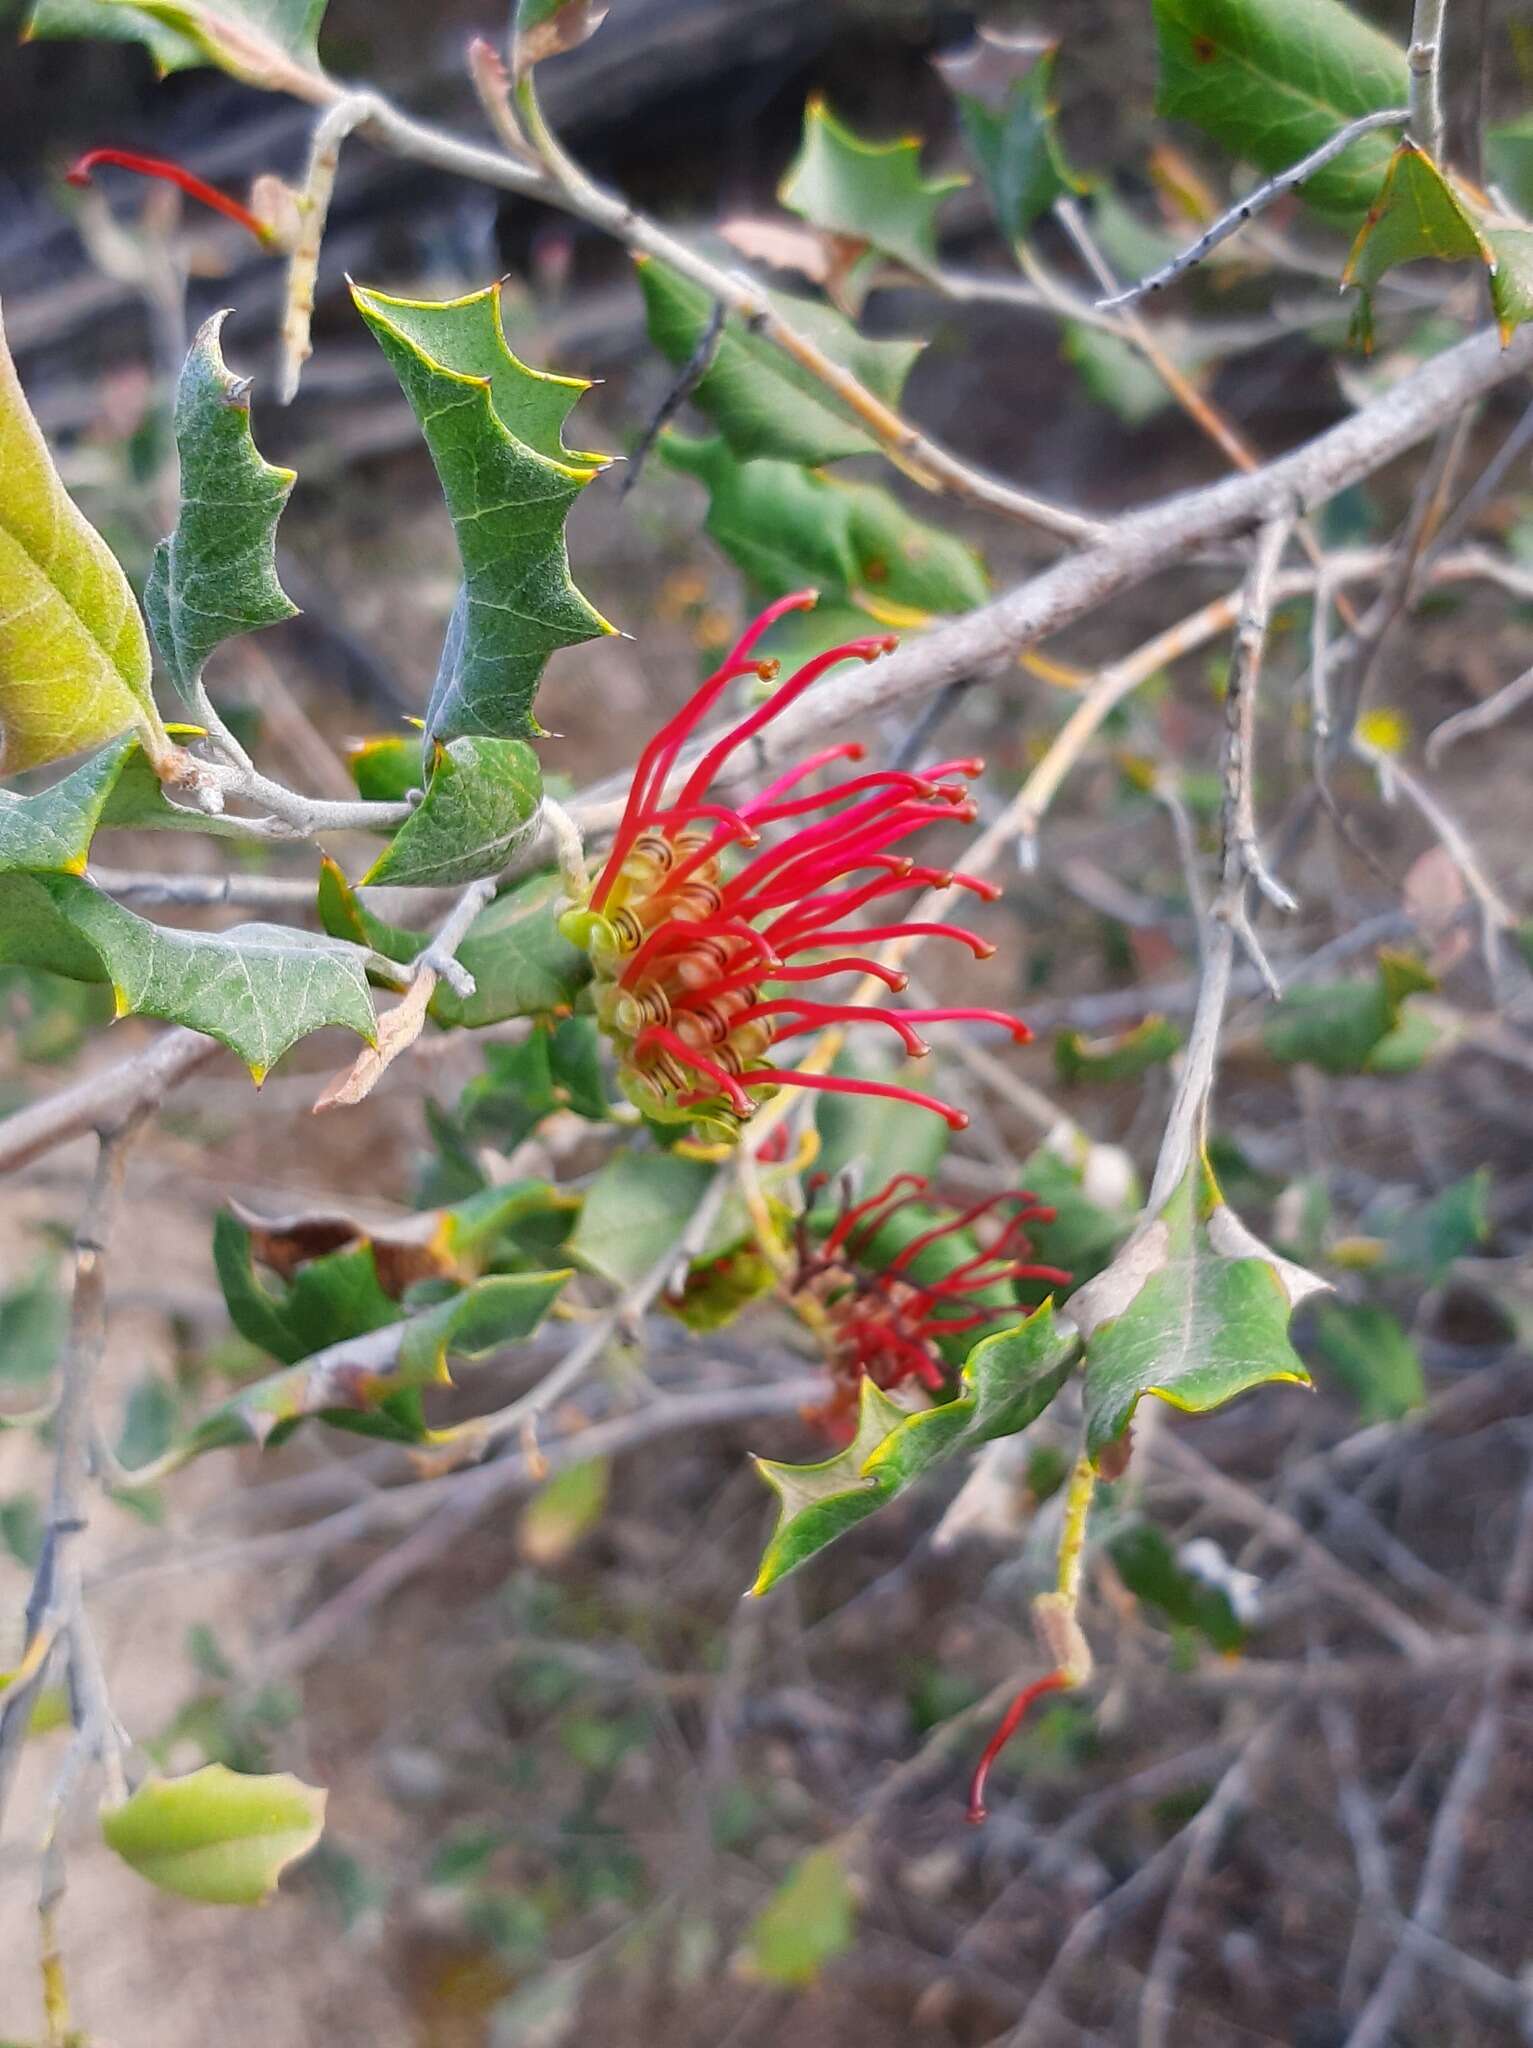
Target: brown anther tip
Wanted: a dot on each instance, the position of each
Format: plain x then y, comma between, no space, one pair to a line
984,950
901,981
76,176
977,1815
920,1050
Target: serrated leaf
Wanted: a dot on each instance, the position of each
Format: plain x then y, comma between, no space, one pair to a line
873,192
1509,161
1095,1198
1148,1566
480,803
371,1384
761,401
216,575
1374,1359
215,1835
263,42
74,656
1338,1026
1194,1310
1429,1237
855,543
1004,88
258,988
50,831
808,1921
1417,216
1273,79
1511,277
1151,1043
508,501
386,768
1008,1381
522,964
552,1069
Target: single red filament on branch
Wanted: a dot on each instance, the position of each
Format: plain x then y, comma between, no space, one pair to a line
79,173
1011,1721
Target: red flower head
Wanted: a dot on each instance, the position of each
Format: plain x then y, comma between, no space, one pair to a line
877,1319
702,958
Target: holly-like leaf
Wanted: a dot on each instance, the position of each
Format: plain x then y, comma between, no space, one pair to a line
872,192
50,832
371,1384
1511,276
508,499
1095,1196
258,988
522,964
1150,1569
1509,161
555,1067
785,527
1004,87
216,575
1008,1381
216,1835
1273,79
808,1921
386,769
1338,1026
480,803
267,43
761,401
1372,1357
1194,1310
1151,1043
74,656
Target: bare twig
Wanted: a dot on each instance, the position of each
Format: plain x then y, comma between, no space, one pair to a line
1479,717
1253,204
1450,1830
1424,62
53,1607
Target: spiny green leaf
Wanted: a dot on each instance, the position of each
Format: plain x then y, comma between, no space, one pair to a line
51,831
214,1835
386,769
1273,79
785,527
257,989
1004,87
808,1921
762,402
1373,1358
873,192
264,42
1511,277
74,656
216,575
1417,215
552,1069
1194,1310
372,1383
1337,1026
1509,161
480,803
522,964
508,501
1148,1566
1008,1381
1151,1043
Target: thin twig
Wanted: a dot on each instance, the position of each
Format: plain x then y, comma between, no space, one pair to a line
1253,204
1424,62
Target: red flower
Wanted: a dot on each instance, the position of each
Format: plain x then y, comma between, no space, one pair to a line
702,966
882,1322
79,173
